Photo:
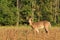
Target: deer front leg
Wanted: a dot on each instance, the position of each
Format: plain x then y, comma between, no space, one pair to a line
37,30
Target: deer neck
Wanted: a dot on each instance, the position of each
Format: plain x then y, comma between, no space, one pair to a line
30,22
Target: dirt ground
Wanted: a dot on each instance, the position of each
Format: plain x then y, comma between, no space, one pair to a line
28,34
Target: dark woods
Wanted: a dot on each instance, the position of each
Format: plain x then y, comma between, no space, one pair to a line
38,9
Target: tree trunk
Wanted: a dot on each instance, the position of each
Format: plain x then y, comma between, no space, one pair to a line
17,24
56,11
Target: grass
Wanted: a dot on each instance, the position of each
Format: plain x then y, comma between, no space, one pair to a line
24,26
24,33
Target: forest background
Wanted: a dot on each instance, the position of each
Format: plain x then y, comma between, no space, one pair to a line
17,12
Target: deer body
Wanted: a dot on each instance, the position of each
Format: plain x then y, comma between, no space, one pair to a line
39,25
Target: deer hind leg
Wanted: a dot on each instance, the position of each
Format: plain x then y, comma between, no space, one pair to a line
46,29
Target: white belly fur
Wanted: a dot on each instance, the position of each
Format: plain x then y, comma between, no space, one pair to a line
41,27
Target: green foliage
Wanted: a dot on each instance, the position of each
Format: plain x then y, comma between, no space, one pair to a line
37,9
7,13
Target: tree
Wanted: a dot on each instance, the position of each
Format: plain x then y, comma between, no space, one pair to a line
17,24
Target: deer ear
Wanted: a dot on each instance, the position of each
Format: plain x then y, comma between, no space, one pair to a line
30,17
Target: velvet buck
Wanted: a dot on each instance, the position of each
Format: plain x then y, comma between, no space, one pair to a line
39,25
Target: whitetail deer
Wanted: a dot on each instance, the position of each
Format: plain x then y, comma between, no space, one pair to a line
39,25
